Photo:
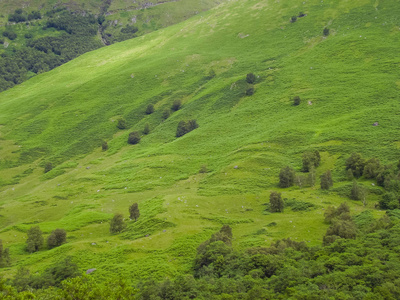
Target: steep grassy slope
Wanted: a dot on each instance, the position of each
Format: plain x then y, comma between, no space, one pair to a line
347,81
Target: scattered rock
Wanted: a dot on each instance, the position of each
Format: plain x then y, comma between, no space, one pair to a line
93,244
309,103
90,271
375,124
235,167
87,168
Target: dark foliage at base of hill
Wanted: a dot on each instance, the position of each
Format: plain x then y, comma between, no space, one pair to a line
43,54
365,267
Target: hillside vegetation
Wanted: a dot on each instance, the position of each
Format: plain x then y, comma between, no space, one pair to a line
221,172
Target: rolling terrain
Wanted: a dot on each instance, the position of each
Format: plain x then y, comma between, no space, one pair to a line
347,81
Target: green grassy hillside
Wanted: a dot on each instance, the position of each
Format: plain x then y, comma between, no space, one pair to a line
347,81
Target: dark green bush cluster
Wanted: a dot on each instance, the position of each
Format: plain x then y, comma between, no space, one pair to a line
134,137
286,177
311,159
276,203
341,224
4,256
386,176
185,127
10,34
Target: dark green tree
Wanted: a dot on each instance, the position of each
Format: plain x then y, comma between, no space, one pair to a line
166,113
293,19
310,158
150,109
117,224
35,239
250,91
146,129
134,137
56,238
121,123
48,167
176,105
372,168
134,211
251,78
326,180
356,163
357,191
296,100
185,127
276,203
286,177
104,146
325,31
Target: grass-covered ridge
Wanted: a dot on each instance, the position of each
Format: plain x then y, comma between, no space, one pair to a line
347,81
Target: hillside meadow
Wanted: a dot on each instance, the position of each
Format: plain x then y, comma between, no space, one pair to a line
347,81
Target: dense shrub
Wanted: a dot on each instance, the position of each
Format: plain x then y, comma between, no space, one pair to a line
146,129
296,100
117,224
185,127
166,113
48,167
276,203
104,146
251,78
176,105
286,177
56,238
134,212
250,91
10,34
134,137
35,239
326,180
121,123
310,159
356,164
150,109
325,32
372,168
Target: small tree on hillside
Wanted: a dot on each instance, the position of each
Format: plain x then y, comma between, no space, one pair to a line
325,31
185,127
357,192
326,180
56,238
48,167
121,123
310,158
166,113
150,109
104,146
296,100
176,105
250,78
35,239
293,19
134,211
117,224
276,203
4,256
356,163
286,177
146,129
134,137
372,168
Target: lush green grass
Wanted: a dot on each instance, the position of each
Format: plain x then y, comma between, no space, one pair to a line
349,77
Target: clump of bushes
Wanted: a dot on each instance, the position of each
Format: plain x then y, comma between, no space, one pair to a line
176,105
134,137
185,127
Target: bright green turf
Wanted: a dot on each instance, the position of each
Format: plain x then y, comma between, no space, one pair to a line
351,78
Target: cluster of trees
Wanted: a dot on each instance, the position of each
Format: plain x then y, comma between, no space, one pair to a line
358,260
46,53
117,223
386,176
35,240
250,79
20,16
347,267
